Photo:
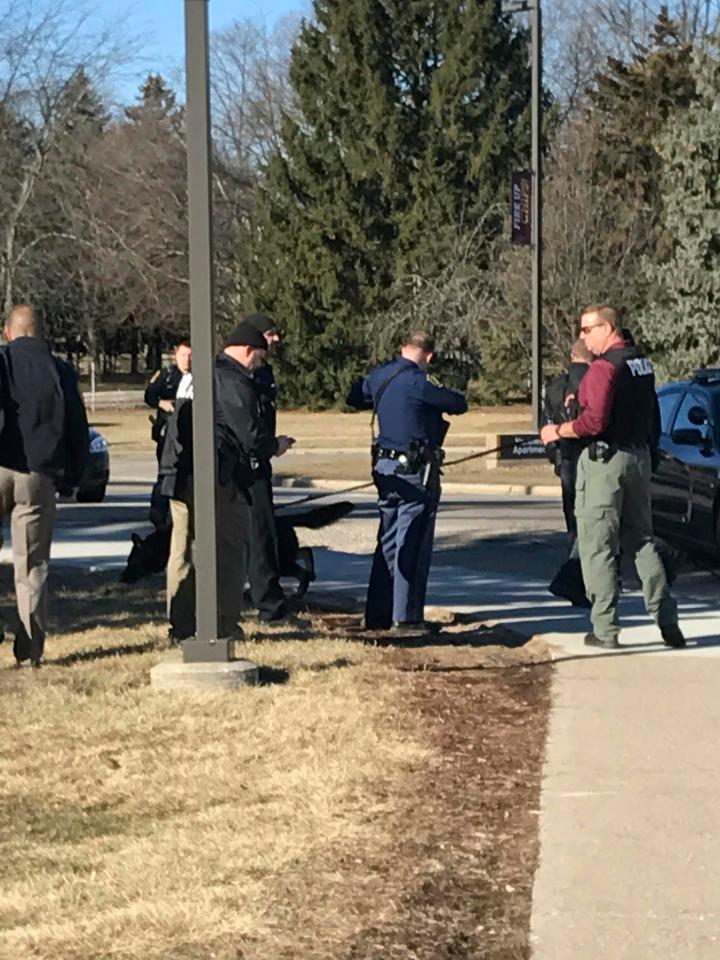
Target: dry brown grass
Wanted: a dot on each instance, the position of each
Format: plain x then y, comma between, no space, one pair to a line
147,825
321,815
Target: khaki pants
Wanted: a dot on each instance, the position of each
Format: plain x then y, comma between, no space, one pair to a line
29,500
232,532
612,506
180,570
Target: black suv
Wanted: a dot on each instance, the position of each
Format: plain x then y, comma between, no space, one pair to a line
686,484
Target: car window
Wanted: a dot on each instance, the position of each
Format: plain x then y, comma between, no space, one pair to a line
690,400
667,403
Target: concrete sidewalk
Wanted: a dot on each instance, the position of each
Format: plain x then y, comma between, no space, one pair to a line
630,845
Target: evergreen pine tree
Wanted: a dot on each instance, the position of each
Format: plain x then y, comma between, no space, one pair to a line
682,325
405,129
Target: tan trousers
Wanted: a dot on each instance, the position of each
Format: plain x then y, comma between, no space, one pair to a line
232,532
180,570
29,500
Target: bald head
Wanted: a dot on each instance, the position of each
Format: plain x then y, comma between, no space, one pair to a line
22,322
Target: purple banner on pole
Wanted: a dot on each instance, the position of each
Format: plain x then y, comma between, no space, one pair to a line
520,208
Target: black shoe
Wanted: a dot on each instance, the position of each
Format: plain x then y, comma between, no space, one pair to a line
280,615
406,628
673,636
176,637
27,664
592,641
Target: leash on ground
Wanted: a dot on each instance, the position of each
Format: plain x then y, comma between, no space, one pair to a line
448,463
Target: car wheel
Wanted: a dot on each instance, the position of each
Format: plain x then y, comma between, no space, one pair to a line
92,494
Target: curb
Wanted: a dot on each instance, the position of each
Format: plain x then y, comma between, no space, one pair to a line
496,489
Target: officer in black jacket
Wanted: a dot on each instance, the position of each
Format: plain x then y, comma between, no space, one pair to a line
160,395
561,405
242,441
44,445
267,594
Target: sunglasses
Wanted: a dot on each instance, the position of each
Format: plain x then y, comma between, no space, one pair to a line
586,330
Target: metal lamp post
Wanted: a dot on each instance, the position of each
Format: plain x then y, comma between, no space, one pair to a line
205,646
533,8
208,661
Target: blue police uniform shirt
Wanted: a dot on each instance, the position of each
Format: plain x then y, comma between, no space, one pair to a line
411,406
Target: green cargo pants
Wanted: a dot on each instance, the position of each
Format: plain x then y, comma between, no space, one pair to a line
612,506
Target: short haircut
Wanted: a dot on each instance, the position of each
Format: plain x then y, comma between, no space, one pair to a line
606,312
182,343
422,340
581,353
24,322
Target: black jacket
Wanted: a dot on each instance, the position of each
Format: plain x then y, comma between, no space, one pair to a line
45,428
264,378
555,410
176,459
163,385
244,437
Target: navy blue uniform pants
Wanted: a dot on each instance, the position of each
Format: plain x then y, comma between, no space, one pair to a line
401,565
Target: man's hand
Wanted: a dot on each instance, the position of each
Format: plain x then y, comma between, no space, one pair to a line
167,405
550,433
284,443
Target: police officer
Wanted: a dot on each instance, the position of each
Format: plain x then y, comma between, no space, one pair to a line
242,441
561,405
617,422
407,456
44,447
263,574
160,394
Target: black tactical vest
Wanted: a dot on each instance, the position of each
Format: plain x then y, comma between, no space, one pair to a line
632,417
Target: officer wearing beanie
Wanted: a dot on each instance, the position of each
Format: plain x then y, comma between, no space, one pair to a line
618,423
264,576
242,441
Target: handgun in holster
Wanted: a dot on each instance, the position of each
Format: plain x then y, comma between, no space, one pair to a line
600,450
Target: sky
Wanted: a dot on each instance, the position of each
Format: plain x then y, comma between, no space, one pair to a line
159,24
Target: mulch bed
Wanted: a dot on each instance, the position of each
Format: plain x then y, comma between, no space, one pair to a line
466,836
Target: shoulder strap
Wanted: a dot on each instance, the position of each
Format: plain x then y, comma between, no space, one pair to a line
381,390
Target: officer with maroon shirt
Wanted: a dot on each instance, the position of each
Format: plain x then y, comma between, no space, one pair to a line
618,423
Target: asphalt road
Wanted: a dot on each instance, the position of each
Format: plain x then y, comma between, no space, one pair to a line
98,535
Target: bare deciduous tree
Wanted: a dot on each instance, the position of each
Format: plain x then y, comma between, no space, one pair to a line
46,52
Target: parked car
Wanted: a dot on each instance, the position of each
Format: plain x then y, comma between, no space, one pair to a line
686,484
96,475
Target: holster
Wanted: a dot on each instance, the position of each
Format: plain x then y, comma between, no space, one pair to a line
600,450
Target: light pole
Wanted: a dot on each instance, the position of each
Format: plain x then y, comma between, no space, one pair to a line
205,646
208,660
533,8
